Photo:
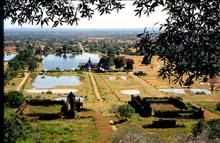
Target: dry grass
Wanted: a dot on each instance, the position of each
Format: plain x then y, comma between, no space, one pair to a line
160,106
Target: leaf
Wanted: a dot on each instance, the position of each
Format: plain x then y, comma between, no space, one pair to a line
55,24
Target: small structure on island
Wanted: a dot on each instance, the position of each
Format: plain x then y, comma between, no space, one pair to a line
72,106
89,66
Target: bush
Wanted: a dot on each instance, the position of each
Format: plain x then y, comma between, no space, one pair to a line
199,127
126,110
16,127
14,99
214,128
201,92
210,128
218,107
49,92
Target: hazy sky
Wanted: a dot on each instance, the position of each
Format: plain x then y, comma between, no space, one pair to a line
124,19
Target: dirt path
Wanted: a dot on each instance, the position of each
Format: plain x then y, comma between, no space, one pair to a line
23,81
144,84
95,88
104,128
81,47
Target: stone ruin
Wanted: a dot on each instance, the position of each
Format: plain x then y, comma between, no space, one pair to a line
72,106
140,106
23,109
69,108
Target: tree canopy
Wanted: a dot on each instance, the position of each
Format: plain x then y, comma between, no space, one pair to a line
14,99
188,42
126,110
58,12
16,127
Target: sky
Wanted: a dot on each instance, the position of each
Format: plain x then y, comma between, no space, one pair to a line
125,18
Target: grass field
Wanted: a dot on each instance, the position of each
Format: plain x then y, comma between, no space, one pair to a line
84,129
64,131
85,89
114,87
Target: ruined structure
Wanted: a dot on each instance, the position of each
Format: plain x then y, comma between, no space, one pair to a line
71,107
23,109
143,107
140,106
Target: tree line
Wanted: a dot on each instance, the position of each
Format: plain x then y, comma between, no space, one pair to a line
119,62
26,59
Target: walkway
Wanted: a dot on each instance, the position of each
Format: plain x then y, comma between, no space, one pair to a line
144,84
23,81
103,127
102,122
95,88
81,47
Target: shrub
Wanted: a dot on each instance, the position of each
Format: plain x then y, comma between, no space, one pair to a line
14,99
218,107
214,128
135,117
16,127
201,92
49,92
126,110
210,128
199,127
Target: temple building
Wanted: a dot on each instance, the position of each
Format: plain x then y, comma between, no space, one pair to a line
89,66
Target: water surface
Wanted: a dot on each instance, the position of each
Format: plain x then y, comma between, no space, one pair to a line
8,57
42,81
68,61
183,90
